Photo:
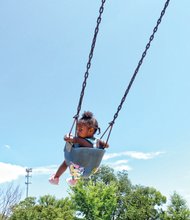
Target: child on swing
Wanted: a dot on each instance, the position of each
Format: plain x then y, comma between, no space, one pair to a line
86,127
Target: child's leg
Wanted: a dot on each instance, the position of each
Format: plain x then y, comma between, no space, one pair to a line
54,179
61,170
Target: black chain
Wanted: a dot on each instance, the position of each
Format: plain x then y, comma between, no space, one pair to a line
136,70
101,9
90,58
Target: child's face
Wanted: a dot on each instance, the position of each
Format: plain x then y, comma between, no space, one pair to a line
84,131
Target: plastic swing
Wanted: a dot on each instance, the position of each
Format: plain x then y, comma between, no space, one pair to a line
84,161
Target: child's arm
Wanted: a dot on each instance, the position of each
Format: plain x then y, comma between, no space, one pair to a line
78,140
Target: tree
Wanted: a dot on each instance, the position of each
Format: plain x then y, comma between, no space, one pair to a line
143,203
110,196
46,208
95,201
124,189
104,174
24,210
9,197
177,209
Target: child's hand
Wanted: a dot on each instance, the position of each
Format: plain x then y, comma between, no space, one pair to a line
103,144
68,138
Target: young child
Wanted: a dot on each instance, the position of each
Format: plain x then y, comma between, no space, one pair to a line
86,127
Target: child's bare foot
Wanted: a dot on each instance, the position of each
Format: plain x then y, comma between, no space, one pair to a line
72,182
54,180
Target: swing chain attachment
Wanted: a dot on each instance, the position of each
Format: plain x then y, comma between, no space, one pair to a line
136,71
90,58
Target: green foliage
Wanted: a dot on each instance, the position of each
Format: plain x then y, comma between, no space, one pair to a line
105,174
111,196
144,203
47,208
95,201
177,210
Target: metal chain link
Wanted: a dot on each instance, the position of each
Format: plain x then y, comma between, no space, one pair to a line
90,58
136,70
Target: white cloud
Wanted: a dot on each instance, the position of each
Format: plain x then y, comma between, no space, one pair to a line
120,165
9,172
141,155
133,154
121,162
44,170
108,156
7,146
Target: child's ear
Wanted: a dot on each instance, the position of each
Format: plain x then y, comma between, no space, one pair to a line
91,130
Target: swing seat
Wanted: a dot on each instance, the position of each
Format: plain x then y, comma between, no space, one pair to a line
82,161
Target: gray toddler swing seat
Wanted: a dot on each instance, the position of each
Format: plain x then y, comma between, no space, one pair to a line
82,161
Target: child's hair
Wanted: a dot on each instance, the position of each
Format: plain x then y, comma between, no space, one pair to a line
88,119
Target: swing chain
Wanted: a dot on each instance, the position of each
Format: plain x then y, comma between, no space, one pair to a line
136,70
90,58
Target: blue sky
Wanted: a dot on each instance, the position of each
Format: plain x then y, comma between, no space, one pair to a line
44,47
